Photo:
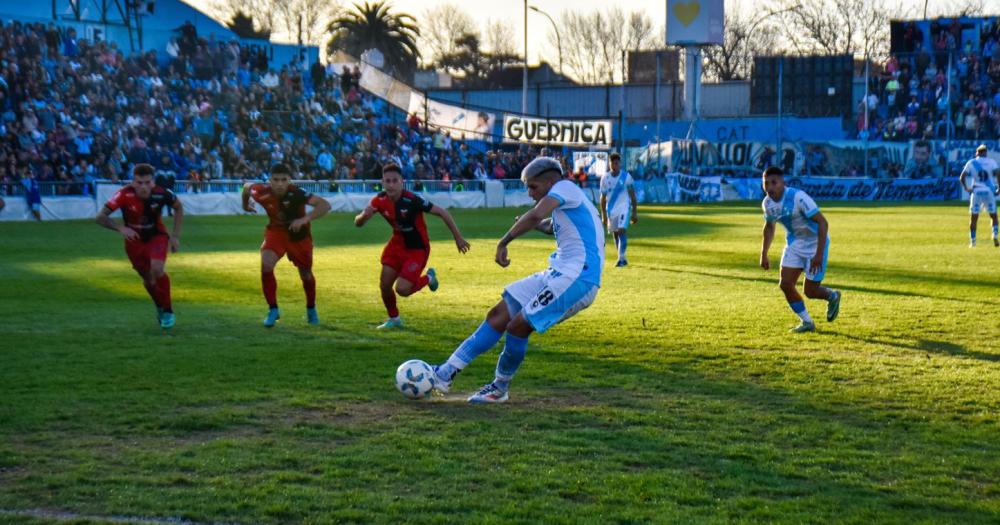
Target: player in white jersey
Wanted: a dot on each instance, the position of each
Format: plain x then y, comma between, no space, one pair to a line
806,246
540,301
618,205
982,193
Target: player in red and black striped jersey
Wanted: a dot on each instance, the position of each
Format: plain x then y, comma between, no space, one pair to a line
405,256
287,232
146,238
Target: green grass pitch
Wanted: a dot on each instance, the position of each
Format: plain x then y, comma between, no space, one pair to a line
677,397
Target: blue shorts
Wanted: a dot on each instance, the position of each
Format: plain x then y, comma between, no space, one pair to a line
548,298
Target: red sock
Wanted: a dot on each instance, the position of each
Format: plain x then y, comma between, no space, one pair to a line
151,290
310,288
270,286
389,298
421,282
163,290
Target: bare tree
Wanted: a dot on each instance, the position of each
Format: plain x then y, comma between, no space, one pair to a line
263,12
836,27
499,39
944,8
441,27
744,38
593,43
302,21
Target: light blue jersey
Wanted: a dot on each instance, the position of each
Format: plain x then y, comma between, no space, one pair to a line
981,170
579,237
795,211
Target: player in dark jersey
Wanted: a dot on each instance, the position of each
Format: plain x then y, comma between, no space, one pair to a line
287,232
405,256
146,239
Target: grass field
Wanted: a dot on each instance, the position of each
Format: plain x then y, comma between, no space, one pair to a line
677,397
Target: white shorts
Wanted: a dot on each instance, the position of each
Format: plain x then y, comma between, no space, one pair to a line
548,298
984,198
618,221
791,258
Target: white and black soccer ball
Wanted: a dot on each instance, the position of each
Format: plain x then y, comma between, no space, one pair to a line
415,379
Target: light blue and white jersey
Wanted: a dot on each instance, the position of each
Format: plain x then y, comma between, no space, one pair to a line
579,237
795,211
981,169
616,188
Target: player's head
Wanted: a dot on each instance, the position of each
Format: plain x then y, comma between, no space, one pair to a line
540,175
773,181
392,180
279,178
921,151
981,150
616,161
142,180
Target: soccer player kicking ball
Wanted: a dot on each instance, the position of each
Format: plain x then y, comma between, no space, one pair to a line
618,205
146,239
287,232
540,301
983,172
806,246
406,253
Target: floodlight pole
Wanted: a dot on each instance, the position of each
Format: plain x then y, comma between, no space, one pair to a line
524,76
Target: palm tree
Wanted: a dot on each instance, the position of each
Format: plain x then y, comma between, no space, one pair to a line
371,26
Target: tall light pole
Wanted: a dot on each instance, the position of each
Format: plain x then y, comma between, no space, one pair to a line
524,78
554,28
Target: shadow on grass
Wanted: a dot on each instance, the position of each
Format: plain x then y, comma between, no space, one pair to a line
923,345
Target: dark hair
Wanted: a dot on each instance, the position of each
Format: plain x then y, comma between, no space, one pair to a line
390,167
922,144
774,170
615,156
281,169
142,170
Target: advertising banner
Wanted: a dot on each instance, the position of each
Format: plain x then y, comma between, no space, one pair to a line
467,123
578,133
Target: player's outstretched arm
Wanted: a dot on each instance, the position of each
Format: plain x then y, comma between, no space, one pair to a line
105,220
449,221
361,218
765,261
246,198
175,236
524,224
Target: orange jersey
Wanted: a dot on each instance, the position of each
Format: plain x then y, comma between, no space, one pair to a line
282,211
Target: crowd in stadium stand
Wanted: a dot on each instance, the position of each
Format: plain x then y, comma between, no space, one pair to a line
74,111
911,99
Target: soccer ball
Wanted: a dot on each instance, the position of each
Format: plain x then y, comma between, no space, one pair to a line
415,379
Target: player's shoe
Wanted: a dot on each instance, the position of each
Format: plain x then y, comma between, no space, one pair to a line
490,393
167,320
804,327
311,316
972,244
440,383
273,315
432,280
833,306
390,323
621,263
996,242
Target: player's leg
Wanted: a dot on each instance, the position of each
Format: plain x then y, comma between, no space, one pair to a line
789,279
269,284
156,250
136,251
996,240
386,281
36,210
300,253
481,341
991,207
974,206
410,281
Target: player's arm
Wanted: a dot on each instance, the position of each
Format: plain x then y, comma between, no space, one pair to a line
961,179
367,213
460,242
526,223
602,209
175,235
246,198
320,207
635,205
822,229
105,220
765,261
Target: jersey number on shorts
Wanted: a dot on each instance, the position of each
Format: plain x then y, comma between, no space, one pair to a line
544,298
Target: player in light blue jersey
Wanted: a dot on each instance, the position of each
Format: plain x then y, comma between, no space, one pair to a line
982,193
806,248
540,301
618,205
